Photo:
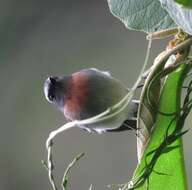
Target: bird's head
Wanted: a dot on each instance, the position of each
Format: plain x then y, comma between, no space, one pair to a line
56,90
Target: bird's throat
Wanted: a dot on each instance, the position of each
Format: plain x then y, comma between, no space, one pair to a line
77,95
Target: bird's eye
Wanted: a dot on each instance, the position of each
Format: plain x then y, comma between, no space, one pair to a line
51,97
53,80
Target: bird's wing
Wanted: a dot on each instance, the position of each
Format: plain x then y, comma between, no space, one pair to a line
104,72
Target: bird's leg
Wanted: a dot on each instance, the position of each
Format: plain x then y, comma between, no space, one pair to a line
127,125
132,124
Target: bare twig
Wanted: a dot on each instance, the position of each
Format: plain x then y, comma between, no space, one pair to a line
65,176
49,143
91,187
50,165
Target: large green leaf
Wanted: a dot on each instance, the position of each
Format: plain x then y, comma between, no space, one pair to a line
186,3
181,15
169,167
143,15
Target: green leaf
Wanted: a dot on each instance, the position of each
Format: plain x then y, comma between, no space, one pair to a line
168,170
186,3
181,15
142,15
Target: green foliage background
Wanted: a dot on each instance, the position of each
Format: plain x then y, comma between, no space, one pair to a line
165,173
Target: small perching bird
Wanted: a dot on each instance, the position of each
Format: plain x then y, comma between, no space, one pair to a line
87,93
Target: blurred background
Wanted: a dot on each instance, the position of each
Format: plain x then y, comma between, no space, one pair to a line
39,38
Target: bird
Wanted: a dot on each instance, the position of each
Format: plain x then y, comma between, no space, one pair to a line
87,93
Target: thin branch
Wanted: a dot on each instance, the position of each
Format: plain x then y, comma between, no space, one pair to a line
91,187
65,176
49,143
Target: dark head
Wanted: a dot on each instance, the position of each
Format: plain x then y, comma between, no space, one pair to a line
55,90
